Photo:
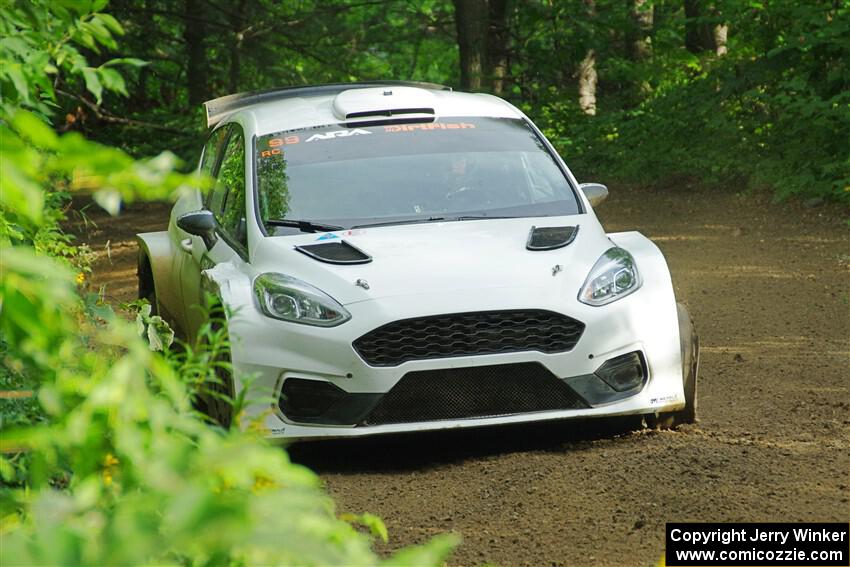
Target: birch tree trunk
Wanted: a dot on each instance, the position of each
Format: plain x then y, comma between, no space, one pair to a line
587,79
587,76
721,32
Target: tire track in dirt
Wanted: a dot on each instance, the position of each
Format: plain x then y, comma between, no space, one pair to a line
769,288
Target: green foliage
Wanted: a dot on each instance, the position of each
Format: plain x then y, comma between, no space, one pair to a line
33,156
273,187
124,472
775,112
108,462
154,328
231,182
42,41
22,409
148,481
205,368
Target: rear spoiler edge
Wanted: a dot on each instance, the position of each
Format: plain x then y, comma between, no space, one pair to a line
217,108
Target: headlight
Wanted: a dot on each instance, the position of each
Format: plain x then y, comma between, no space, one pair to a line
614,276
289,299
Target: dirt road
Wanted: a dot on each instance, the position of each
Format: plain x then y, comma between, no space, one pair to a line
768,286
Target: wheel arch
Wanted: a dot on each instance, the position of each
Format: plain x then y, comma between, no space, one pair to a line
155,263
656,307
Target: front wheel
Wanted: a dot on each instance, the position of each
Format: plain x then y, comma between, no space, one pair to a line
216,395
147,289
689,342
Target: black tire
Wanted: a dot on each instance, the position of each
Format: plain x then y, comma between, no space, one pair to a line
689,341
620,424
216,399
217,396
147,289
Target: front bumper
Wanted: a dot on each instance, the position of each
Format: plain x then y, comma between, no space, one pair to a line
462,393
271,352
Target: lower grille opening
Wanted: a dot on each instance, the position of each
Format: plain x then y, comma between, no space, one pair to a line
320,402
302,399
481,391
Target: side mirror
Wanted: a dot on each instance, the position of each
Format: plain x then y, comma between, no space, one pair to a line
595,192
200,223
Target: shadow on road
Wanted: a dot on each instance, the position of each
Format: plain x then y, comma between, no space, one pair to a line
421,450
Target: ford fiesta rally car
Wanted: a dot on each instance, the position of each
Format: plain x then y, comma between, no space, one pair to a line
399,257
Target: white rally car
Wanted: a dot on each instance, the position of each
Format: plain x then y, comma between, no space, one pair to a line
400,257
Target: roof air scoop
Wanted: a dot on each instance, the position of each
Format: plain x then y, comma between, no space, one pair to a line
384,102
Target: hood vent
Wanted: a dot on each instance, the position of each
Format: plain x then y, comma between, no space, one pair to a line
550,237
335,253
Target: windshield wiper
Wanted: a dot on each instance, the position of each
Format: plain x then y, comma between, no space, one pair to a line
305,225
433,219
408,221
482,217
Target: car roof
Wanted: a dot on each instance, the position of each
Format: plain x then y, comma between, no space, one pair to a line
294,108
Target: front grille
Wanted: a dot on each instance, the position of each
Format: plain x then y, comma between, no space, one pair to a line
480,391
468,334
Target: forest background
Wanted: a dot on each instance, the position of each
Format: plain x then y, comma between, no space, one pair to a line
732,93
104,458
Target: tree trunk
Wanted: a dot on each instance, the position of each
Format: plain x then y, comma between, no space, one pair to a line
699,36
471,19
236,46
140,98
497,45
639,43
721,32
196,67
587,83
587,76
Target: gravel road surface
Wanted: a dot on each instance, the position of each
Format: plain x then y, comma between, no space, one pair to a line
768,287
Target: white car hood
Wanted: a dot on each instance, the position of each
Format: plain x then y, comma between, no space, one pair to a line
440,258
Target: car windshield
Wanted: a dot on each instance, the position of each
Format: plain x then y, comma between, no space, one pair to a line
452,169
